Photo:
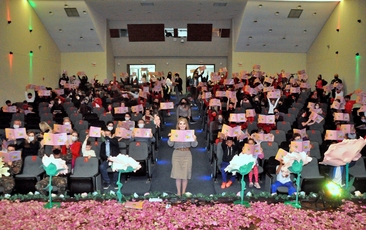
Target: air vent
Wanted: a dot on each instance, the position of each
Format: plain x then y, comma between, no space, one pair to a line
147,4
72,12
295,13
220,4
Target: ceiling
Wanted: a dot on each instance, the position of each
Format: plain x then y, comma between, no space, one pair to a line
256,27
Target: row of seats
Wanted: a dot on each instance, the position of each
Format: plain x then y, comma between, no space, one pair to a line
85,176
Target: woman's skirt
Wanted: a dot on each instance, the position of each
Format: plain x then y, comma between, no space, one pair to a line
182,165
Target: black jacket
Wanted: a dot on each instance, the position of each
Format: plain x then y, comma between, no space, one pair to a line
113,146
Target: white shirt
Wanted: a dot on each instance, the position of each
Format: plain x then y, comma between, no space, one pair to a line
281,178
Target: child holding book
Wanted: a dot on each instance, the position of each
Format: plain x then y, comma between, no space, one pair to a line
283,179
254,171
86,148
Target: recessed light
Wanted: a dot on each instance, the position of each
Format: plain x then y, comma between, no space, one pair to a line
91,29
270,30
304,31
51,13
277,13
296,45
98,44
81,38
264,44
255,21
68,44
284,38
314,13
250,37
84,12
260,6
247,44
60,30
299,6
66,5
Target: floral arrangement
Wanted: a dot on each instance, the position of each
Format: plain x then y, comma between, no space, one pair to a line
3,170
156,215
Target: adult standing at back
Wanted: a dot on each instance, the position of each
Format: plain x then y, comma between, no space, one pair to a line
335,80
178,87
319,84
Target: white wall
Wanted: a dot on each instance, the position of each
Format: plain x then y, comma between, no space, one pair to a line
271,63
75,62
350,39
44,69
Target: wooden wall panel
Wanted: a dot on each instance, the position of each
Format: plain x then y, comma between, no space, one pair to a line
146,32
199,32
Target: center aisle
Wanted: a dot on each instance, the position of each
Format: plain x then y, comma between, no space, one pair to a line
201,181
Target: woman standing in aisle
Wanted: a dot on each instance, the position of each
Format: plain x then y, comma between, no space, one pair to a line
182,158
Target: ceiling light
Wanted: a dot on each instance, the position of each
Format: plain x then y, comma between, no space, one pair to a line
250,37
68,44
66,5
284,38
91,29
84,12
81,38
314,13
247,44
270,30
296,45
260,6
98,44
299,6
60,30
277,13
255,21
51,13
304,31
264,44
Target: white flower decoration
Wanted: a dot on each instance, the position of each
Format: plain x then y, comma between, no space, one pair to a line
122,162
289,159
60,164
238,161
